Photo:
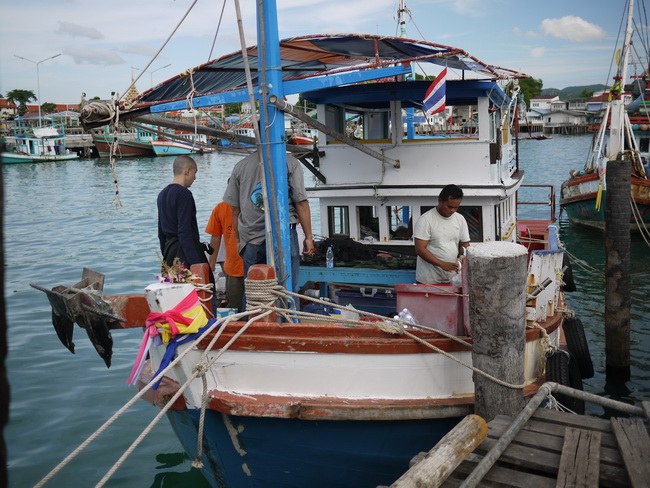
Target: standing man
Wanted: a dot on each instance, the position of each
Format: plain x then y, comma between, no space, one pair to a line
178,231
244,194
220,225
441,236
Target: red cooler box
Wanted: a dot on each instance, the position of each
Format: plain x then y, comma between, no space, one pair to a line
441,306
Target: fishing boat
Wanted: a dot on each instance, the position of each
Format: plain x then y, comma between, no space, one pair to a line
335,398
583,195
174,144
137,143
29,144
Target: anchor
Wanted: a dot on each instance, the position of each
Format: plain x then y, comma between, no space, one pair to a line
84,304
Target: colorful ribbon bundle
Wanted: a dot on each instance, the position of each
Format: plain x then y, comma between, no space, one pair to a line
187,318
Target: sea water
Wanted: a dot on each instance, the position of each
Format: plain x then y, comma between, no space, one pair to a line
61,217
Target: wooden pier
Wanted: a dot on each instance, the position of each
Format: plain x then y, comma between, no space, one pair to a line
547,448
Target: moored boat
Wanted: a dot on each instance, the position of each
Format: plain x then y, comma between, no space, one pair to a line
182,143
29,144
583,195
138,144
334,400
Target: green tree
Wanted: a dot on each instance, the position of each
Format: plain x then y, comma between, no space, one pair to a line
49,107
21,98
530,88
233,108
586,94
303,104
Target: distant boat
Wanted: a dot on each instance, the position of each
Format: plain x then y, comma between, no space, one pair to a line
138,145
36,144
192,144
304,137
582,196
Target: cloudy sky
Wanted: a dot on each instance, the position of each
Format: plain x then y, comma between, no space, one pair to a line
102,43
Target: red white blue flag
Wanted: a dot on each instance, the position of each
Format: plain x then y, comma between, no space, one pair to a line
435,100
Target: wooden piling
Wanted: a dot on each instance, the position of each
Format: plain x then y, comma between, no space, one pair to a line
497,296
617,271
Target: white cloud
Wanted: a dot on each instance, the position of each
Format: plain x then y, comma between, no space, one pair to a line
468,7
533,34
102,57
537,52
573,29
140,49
75,30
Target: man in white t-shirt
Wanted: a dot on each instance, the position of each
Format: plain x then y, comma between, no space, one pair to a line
441,236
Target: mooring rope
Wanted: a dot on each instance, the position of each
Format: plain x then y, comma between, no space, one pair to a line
638,218
393,326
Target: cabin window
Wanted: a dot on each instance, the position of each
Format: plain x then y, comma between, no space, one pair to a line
644,144
400,223
368,222
473,216
339,221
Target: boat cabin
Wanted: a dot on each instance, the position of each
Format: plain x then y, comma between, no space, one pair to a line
375,197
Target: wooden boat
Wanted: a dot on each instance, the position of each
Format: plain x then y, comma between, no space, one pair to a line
36,144
182,143
583,195
331,401
139,144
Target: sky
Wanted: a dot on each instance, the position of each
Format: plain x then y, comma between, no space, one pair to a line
99,45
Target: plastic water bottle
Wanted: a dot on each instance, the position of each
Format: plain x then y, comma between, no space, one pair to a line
329,257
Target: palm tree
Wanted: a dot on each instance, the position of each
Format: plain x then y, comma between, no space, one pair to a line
21,97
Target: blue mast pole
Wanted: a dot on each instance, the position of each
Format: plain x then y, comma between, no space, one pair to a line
272,135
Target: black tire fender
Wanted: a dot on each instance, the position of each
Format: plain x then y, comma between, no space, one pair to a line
578,346
561,368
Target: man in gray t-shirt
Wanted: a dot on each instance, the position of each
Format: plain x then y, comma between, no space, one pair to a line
441,236
244,194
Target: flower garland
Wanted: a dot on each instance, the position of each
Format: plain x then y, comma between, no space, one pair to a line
176,273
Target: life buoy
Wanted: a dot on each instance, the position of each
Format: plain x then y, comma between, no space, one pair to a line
578,346
563,369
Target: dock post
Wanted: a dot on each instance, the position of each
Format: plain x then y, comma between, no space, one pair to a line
497,295
617,271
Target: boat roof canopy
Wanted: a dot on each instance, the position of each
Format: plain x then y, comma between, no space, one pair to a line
309,56
379,95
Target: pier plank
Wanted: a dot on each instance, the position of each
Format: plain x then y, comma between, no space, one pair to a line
580,461
634,443
552,439
498,476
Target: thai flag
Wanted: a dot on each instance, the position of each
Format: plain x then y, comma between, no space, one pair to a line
435,100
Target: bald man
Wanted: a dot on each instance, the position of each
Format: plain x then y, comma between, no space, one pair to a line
178,231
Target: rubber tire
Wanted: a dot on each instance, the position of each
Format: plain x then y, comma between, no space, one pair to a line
578,346
562,369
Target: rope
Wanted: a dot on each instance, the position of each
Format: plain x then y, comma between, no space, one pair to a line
638,218
161,47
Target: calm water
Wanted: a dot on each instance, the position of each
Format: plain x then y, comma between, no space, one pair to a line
60,218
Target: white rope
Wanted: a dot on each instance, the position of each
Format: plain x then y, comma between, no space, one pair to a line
638,218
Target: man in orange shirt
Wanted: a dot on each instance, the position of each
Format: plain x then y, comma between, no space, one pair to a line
220,225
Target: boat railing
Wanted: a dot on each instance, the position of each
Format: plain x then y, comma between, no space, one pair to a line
550,202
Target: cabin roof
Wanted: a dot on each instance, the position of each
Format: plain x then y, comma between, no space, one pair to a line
411,94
